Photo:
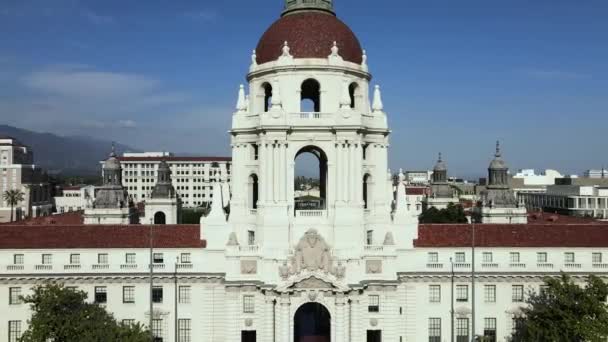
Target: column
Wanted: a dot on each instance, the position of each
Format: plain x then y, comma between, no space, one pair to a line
284,169
358,174
352,174
344,173
270,173
340,320
283,328
269,320
337,173
356,323
262,186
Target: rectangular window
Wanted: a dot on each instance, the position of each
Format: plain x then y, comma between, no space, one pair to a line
514,257
18,259
434,329
74,259
14,296
251,238
459,257
101,295
462,293
487,257
462,330
518,293
433,257
489,293
185,258
158,258
130,258
596,258
541,257
374,303
248,304
569,258
47,259
128,322
489,330
102,258
157,330
128,294
14,331
370,237
184,330
435,293
157,294
184,294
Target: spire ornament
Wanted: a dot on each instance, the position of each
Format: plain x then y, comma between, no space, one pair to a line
345,98
364,61
498,153
286,50
377,106
241,105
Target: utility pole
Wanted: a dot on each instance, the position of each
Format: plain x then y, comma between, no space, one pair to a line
473,280
176,299
151,281
452,302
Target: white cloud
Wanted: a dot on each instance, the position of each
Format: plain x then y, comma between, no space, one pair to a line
127,124
555,74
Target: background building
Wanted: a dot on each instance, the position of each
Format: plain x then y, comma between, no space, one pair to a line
573,200
73,198
18,172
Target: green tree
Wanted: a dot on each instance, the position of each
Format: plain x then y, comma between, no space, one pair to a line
13,198
451,214
565,312
63,315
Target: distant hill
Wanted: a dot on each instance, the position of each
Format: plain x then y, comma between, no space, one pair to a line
76,155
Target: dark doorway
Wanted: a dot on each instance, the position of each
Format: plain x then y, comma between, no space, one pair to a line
374,336
248,336
312,323
159,218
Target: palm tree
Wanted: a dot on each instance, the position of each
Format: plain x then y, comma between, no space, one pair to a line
13,197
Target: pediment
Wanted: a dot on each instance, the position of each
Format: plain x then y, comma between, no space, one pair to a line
313,281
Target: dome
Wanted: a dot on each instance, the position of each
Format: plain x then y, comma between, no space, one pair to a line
112,163
309,34
498,163
441,165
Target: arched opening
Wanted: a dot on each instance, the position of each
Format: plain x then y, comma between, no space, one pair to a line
160,218
312,323
367,183
310,183
310,96
353,91
253,191
267,88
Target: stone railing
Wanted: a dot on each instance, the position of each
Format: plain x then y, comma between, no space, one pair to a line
15,267
253,212
249,249
158,266
309,115
71,267
572,265
186,266
310,213
43,267
462,265
128,266
101,266
544,265
434,265
517,265
371,248
600,265
489,265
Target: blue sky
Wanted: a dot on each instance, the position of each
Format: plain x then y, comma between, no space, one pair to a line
456,75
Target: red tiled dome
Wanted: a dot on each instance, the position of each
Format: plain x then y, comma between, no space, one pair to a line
309,35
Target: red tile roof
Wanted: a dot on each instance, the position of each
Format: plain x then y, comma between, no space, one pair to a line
93,236
513,235
411,190
176,159
545,218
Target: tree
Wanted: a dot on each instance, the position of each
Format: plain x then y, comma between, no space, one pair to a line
13,198
62,315
451,214
564,311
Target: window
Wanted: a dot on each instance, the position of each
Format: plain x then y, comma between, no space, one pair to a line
128,322
248,304
514,257
487,257
251,238
158,258
462,330
433,257
517,324
157,294
596,258
184,294
569,257
489,331
185,258
157,330
14,296
518,293
434,293
102,258
128,294
434,329
101,295
14,331
47,259
489,293
462,293
74,259
374,303
541,257
130,258
18,259
459,257
183,330
370,237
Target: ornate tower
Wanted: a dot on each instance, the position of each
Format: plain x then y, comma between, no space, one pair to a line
442,193
440,171
163,206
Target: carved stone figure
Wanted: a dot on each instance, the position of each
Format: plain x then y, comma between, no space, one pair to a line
312,253
249,266
232,240
284,271
340,270
389,239
286,50
373,266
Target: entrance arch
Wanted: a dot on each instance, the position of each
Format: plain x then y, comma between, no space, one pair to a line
159,218
312,201
312,323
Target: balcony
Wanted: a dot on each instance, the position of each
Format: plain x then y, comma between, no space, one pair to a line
311,213
101,266
128,266
158,266
14,267
572,265
489,265
434,266
253,212
249,249
462,265
602,266
71,267
544,265
43,267
184,266
517,265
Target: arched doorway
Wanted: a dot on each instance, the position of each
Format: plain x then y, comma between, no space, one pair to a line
312,323
159,218
310,183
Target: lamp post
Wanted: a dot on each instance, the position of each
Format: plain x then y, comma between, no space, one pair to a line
151,281
176,299
452,302
473,280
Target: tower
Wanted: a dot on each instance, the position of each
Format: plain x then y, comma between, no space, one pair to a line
163,206
442,193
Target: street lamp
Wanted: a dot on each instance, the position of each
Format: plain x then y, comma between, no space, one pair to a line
452,302
151,282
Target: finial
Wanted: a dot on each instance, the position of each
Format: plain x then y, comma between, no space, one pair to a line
113,153
241,105
364,60
254,58
286,50
498,154
377,105
345,98
440,157
335,49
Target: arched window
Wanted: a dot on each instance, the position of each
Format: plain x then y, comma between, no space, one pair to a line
159,218
367,180
353,91
267,88
253,191
310,183
310,96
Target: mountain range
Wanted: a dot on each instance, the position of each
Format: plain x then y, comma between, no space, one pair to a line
68,155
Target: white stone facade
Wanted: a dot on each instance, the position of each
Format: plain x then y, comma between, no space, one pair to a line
74,199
